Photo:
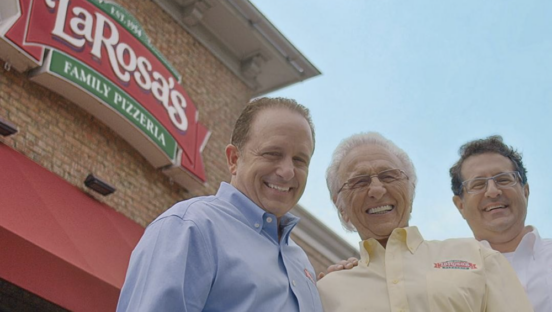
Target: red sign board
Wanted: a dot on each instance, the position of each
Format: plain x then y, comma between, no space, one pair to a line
99,49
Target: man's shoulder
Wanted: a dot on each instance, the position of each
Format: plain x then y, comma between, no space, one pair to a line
464,244
547,247
194,209
464,241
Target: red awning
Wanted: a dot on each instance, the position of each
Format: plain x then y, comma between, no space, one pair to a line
56,241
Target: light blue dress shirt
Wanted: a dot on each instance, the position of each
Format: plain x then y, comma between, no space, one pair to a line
219,253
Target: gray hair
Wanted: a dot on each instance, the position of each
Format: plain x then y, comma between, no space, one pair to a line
349,144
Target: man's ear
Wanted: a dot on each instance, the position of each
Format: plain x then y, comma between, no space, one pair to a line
342,212
459,203
232,156
526,191
337,205
344,215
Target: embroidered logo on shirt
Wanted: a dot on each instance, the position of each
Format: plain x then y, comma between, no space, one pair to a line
455,264
307,273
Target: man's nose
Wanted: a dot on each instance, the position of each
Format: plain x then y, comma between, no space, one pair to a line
492,190
376,189
286,169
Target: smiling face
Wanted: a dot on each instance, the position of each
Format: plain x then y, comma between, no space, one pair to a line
375,211
272,167
496,214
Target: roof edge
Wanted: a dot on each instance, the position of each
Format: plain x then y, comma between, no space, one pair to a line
255,51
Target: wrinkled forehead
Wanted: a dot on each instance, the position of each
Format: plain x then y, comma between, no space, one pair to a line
368,159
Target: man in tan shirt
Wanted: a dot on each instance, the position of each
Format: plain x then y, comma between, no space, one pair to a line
372,183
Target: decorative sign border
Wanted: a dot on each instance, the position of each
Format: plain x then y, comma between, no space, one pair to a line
97,54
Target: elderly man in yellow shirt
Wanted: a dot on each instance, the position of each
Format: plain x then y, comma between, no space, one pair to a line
372,183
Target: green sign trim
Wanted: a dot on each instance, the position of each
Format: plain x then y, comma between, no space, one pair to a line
110,94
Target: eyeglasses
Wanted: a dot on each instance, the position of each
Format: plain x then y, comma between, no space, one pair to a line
501,180
386,176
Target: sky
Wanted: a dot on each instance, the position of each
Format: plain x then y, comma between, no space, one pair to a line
430,76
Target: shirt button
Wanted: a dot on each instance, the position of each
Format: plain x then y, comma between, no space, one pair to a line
395,281
269,219
257,225
293,283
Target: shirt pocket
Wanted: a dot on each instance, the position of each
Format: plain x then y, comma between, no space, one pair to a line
455,290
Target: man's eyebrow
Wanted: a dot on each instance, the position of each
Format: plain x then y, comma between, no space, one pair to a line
270,147
364,171
485,177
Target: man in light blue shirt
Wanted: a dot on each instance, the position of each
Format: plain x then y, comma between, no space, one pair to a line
233,251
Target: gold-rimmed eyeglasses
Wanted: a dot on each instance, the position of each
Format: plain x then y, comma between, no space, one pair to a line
385,177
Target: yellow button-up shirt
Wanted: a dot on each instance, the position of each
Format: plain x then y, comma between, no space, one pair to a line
415,275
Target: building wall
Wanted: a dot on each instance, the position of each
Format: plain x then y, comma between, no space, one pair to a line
68,141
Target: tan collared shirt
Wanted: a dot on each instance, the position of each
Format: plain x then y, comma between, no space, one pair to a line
415,275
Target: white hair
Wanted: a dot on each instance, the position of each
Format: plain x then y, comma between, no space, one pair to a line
349,144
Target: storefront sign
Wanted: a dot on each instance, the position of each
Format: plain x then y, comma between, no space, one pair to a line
97,55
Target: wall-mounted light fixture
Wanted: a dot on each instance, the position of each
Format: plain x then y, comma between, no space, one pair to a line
98,185
7,128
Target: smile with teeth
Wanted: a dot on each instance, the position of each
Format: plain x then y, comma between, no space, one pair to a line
278,188
380,209
491,208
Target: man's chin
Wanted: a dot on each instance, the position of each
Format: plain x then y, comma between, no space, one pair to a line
501,224
277,207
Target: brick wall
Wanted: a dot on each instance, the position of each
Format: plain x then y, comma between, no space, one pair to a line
65,139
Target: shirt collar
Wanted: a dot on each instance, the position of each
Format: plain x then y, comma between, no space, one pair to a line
287,223
255,216
413,238
530,243
410,236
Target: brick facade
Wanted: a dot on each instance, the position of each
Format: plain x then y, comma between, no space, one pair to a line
65,139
